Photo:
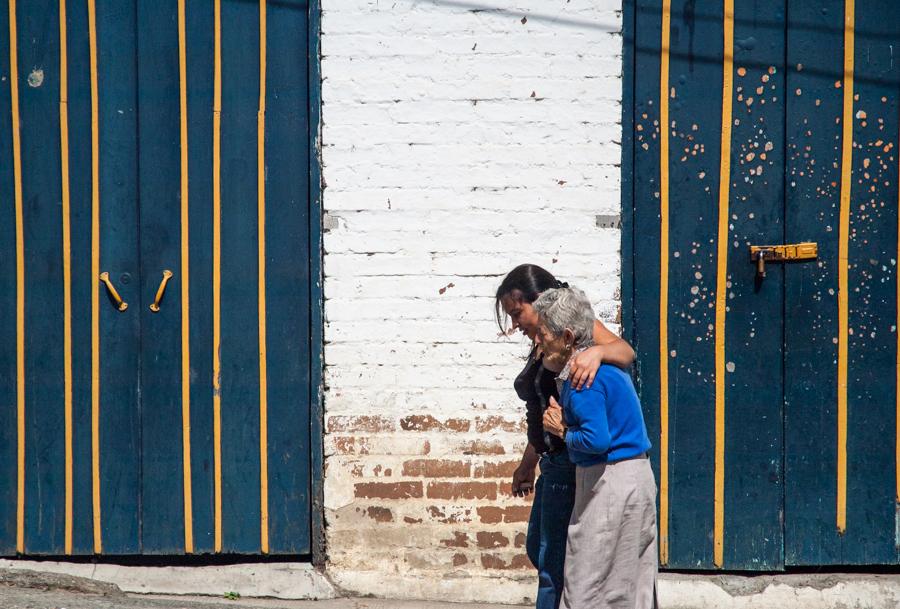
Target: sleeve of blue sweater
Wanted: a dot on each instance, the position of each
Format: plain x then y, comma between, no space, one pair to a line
588,429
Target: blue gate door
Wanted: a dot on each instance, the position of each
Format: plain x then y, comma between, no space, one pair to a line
154,275
772,398
225,377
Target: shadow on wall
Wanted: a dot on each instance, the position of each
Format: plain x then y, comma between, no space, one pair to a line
691,17
479,7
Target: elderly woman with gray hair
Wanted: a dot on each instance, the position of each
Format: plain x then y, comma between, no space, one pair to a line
611,556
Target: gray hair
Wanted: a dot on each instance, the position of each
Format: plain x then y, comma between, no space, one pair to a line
567,308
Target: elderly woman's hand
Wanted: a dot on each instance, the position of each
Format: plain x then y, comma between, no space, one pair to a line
553,419
584,367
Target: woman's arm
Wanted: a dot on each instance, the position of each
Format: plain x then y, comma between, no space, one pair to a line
588,432
608,349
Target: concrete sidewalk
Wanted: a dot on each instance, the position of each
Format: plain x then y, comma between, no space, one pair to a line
22,589
28,586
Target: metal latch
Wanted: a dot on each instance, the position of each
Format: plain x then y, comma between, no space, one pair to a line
760,254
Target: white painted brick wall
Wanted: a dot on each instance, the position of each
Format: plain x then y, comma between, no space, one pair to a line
460,138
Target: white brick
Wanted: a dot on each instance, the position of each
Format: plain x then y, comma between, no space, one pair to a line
459,139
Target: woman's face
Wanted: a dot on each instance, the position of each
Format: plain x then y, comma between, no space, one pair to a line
521,314
557,348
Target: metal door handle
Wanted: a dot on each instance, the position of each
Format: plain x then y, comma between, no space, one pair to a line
120,304
760,254
167,274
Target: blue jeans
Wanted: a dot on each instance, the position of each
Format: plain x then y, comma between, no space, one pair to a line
554,497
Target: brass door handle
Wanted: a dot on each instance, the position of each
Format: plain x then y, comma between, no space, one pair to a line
113,293
760,254
167,274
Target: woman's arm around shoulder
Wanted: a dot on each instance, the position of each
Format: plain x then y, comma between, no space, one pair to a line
608,349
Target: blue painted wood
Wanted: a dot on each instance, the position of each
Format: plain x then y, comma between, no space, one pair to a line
199,26
815,41
753,533
120,414
288,279
44,426
646,217
872,403
797,123
754,327
695,70
8,435
240,357
141,444
79,110
814,125
317,326
162,510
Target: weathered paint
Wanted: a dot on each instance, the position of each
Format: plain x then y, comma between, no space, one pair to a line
789,74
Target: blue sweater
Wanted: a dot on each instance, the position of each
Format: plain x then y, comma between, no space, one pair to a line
604,421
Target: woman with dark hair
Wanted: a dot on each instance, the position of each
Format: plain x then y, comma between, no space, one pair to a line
554,493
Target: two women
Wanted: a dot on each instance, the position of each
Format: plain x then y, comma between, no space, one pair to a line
536,386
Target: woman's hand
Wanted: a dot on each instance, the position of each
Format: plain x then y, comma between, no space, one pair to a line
553,419
585,365
523,477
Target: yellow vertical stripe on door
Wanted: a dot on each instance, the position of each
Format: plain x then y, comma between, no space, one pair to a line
897,378
721,277
67,269
843,264
95,274
217,276
261,219
20,280
664,284
185,292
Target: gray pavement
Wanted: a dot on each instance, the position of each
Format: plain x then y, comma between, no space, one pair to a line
39,590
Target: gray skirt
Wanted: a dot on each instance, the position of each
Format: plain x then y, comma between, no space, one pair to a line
611,556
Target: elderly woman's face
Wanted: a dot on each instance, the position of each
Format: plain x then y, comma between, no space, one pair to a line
557,348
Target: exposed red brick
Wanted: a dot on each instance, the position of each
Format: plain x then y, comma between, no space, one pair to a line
440,515
490,514
345,446
460,425
503,469
521,561
426,422
387,490
488,540
520,540
420,422
437,468
491,423
380,514
483,447
459,560
460,540
409,520
462,490
367,423
492,561
351,446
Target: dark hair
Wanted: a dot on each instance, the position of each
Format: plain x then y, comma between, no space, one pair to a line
525,283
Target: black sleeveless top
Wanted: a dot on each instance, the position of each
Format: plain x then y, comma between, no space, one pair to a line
535,385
